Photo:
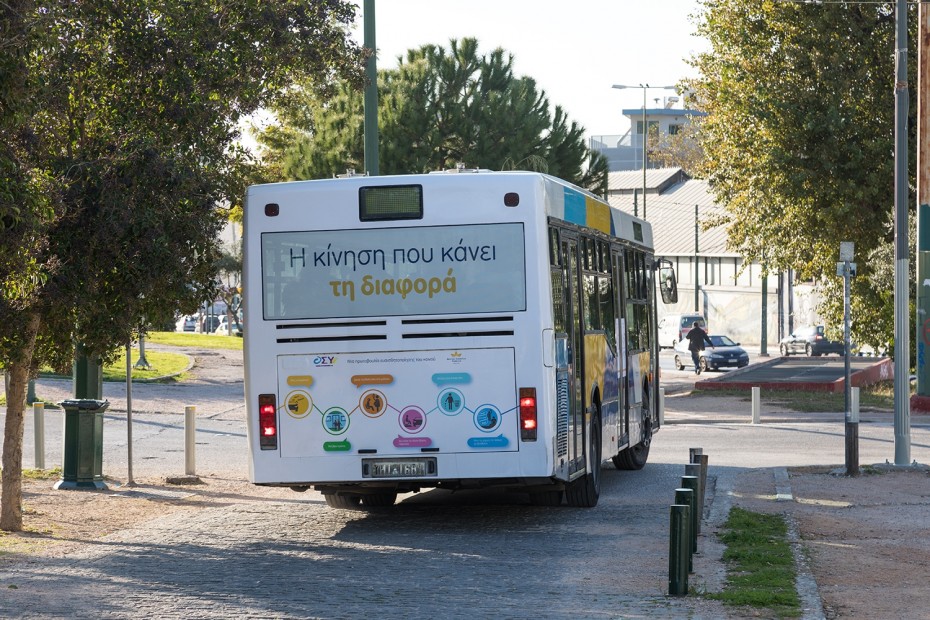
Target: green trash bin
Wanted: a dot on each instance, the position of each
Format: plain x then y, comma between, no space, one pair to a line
82,462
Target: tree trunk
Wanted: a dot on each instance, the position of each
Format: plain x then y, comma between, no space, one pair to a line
11,486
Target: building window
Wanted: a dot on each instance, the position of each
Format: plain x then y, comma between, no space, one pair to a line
653,127
674,129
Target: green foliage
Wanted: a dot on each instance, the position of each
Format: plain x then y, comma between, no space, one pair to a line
112,207
119,126
761,569
798,137
437,108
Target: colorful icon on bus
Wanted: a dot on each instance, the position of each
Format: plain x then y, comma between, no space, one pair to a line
372,403
298,404
451,401
336,421
487,418
412,419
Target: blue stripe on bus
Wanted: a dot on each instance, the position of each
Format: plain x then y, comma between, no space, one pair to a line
575,211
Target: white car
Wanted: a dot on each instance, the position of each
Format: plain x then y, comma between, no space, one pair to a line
724,354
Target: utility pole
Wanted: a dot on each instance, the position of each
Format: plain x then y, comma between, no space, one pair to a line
371,92
921,400
697,273
847,268
763,347
902,350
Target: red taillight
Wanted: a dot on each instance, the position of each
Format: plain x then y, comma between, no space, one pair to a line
528,414
267,422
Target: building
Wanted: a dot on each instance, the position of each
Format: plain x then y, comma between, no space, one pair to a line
712,279
625,152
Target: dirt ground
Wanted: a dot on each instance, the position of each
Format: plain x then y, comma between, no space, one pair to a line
867,538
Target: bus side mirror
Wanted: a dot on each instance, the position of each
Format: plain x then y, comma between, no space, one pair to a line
668,285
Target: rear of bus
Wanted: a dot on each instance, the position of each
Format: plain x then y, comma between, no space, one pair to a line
394,327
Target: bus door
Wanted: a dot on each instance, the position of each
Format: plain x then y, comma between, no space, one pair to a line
575,353
618,272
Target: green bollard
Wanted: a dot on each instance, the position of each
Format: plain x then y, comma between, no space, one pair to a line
694,469
686,497
678,543
691,482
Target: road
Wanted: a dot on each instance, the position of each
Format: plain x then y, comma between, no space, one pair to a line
435,554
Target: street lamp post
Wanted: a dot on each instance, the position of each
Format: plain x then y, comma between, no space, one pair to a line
645,87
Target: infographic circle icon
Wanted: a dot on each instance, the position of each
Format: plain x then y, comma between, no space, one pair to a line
451,401
336,421
412,419
372,403
487,418
299,404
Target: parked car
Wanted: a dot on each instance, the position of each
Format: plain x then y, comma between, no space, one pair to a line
223,327
811,341
186,324
725,354
674,327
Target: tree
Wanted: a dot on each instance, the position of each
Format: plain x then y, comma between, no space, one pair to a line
126,122
437,108
799,134
679,150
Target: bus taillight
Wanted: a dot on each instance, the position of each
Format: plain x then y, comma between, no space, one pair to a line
528,414
267,422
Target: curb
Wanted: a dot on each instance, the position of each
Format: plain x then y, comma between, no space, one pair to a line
805,584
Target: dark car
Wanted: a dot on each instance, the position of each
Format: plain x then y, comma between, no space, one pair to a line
810,341
724,354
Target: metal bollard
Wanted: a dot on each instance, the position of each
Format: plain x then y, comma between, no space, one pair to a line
686,497
694,469
38,419
702,460
691,482
679,518
756,405
190,430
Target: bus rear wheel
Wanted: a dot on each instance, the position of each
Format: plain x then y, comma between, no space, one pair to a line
584,492
345,502
379,500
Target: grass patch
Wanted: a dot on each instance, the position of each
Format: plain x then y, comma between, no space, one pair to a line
42,474
190,339
877,397
761,569
161,363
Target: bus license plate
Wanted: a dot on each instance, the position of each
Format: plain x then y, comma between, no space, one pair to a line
406,468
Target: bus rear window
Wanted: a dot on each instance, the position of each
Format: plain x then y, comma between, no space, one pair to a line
390,202
393,271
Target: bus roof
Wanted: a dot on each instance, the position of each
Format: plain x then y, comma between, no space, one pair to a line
561,200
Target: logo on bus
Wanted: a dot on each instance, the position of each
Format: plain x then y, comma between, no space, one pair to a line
455,357
324,360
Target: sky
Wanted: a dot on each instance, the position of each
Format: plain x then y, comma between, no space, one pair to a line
574,50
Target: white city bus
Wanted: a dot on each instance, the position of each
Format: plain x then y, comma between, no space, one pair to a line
450,330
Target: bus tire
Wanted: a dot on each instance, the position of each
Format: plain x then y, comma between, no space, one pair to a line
379,500
633,458
345,502
585,491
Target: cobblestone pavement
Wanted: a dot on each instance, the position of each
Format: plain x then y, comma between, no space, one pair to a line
435,555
